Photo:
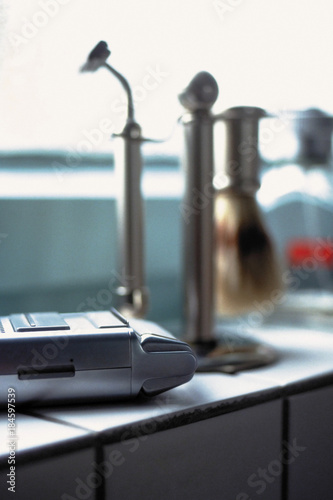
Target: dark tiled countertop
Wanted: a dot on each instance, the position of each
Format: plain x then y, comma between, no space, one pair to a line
89,451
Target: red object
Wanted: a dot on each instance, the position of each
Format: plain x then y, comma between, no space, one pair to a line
318,250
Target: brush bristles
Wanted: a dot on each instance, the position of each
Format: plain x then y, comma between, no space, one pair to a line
247,271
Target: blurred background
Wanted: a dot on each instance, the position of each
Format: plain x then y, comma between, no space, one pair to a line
264,53
57,221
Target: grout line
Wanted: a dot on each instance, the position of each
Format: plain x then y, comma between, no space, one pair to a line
285,439
57,421
99,459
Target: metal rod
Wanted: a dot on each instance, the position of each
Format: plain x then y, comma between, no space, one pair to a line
130,222
197,207
127,88
198,227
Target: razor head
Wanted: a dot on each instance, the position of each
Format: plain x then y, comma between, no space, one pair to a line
97,57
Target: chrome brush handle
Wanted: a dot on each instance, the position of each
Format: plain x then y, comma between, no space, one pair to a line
239,170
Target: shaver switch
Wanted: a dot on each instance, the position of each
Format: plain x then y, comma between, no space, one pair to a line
34,322
34,373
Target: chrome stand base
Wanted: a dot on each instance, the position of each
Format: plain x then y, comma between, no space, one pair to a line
231,353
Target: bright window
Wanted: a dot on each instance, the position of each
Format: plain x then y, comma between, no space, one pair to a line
275,54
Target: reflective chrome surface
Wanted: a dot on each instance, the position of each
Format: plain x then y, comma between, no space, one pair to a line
197,206
133,295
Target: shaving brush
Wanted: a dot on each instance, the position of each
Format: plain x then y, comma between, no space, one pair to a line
247,268
246,264
210,216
